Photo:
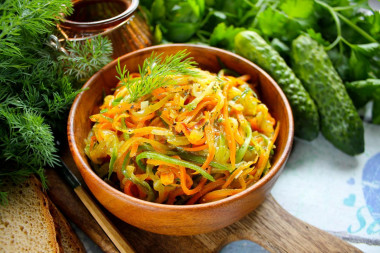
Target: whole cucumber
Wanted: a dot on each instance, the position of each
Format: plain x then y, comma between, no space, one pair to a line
340,122
252,46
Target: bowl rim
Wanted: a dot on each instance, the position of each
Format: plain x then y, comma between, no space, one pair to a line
276,168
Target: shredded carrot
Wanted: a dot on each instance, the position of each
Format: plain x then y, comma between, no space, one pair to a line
173,194
127,188
207,188
255,126
142,193
264,156
167,178
271,119
120,90
239,139
196,148
244,78
187,133
145,118
155,121
120,108
210,142
158,93
178,88
100,128
146,130
135,146
118,119
166,117
93,140
242,183
99,118
106,125
185,188
134,75
236,174
188,116
227,127
219,194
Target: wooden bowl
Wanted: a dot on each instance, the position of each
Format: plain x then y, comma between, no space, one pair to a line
176,219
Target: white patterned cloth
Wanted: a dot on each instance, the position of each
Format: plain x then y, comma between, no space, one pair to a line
333,191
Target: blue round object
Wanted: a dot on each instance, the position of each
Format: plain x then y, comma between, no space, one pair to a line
243,246
371,185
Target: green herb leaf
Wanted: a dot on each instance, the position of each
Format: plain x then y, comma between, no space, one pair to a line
297,8
35,92
373,21
317,37
359,65
271,22
156,73
30,142
362,91
158,10
366,49
224,36
180,32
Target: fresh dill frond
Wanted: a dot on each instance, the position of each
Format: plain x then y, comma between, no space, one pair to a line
30,141
37,89
155,73
24,25
86,57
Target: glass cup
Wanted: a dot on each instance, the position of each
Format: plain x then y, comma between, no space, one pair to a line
119,20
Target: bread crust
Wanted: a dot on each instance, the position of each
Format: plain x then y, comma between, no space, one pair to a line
67,240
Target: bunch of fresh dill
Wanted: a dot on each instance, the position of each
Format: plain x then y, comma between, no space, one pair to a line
37,84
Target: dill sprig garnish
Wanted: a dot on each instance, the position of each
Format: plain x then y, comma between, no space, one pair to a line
155,73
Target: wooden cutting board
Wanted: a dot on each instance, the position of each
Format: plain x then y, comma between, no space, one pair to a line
269,225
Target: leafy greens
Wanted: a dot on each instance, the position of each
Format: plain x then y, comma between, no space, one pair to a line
37,85
348,29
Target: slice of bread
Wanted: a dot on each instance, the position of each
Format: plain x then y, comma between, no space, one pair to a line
30,222
66,237
26,224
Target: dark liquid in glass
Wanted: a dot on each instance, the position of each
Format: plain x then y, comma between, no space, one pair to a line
91,11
